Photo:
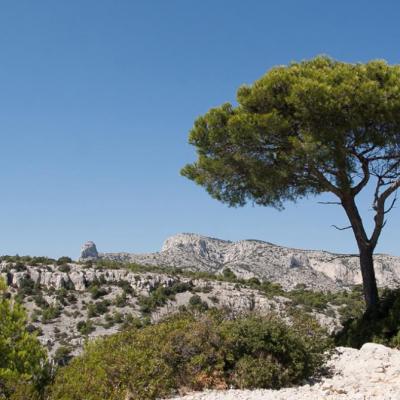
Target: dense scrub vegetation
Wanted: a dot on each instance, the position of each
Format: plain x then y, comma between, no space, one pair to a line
23,364
193,352
379,326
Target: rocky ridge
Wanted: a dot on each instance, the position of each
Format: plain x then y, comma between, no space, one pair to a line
318,270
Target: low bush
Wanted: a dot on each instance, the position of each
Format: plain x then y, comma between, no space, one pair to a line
196,303
50,313
195,353
64,260
96,291
160,295
380,326
85,327
98,308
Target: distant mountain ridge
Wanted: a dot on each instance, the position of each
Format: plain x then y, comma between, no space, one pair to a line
319,270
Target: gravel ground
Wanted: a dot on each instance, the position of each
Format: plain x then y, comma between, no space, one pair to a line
373,372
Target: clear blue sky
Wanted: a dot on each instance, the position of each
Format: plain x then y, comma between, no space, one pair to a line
97,98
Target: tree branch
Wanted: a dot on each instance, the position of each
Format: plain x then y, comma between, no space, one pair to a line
365,167
342,229
380,211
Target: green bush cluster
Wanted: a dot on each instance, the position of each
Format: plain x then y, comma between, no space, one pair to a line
64,260
49,313
208,351
380,326
98,308
24,370
85,327
160,295
96,291
28,260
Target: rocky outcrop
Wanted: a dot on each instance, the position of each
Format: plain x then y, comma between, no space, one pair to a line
373,372
89,251
318,270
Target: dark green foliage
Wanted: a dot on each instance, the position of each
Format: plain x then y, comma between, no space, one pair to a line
98,308
23,363
96,291
64,260
62,355
28,260
196,303
121,300
298,131
50,313
229,275
209,351
27,287
85,327
40,301
126,287
380,326
160,295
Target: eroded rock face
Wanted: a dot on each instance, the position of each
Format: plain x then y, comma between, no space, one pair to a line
318,270
89,251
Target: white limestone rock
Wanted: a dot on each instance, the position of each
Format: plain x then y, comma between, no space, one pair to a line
318,270
89,251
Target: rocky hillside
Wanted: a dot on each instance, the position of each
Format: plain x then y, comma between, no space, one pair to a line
68,302
101,294
319,270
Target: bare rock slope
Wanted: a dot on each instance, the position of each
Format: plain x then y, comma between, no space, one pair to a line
254,258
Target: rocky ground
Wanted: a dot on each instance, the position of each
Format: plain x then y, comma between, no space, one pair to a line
373,372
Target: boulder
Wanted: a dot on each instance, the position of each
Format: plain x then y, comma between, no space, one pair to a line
89,251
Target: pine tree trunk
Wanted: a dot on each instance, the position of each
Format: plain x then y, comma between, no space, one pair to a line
368,277
366,251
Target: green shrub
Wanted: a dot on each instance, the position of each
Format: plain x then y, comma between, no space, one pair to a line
120,300
62,355
85,327
50,313
98,308
23,362
40,301
196,303
380,326
27,287
184,351
96,291
229,275
160,295
64,260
